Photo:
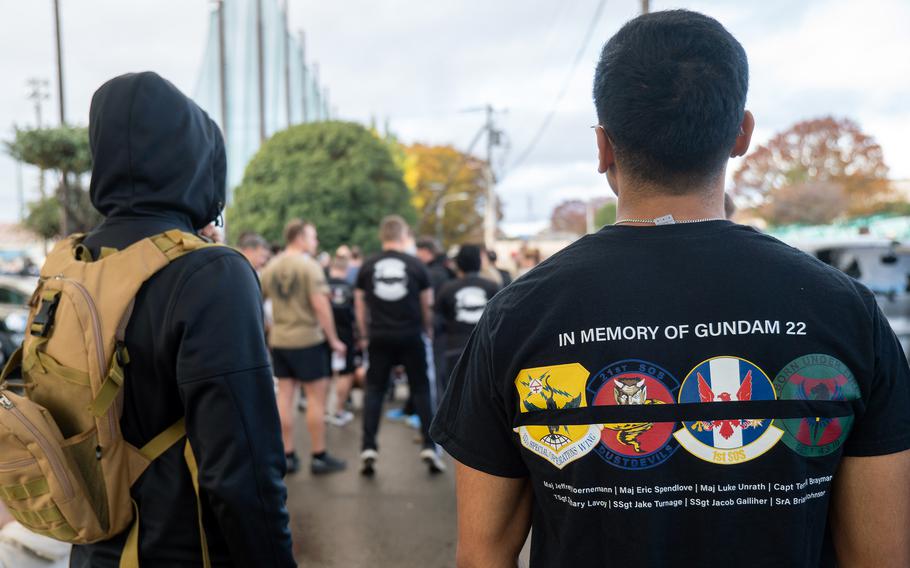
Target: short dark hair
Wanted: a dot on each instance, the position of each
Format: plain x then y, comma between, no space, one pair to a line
670,91
468,258
429,244
251,241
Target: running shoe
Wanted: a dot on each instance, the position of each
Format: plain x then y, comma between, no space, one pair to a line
433,460
327,464
341,418
368,459
413,421
396,414
293,463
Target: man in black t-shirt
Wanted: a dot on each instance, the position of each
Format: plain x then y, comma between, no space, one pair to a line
429,255
460,304
678,390
393,304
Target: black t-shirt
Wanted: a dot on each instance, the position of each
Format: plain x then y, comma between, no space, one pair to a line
341,294
702,383
439,273
461,303
392,282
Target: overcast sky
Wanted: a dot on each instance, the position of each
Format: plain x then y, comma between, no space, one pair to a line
419,63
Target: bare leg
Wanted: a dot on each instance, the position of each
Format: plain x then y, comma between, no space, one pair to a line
287,411
343,384
316,392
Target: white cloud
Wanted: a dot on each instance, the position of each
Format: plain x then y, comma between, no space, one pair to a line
420,63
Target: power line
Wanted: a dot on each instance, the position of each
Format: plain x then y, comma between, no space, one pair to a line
565,87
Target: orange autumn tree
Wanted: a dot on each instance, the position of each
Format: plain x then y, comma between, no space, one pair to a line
436,175
811,155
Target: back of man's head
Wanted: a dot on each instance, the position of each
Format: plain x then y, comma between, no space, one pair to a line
468,259
393,229
670,91
294,229
251,241
428,244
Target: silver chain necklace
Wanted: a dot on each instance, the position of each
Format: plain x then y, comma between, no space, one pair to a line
668,220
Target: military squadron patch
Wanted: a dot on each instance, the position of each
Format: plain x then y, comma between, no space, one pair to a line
816,377
727,442
634,445
551,388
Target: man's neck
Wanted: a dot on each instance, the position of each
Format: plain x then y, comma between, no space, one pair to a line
293,249
647,204
393,246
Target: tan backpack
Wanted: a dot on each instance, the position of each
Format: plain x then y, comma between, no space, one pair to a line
65,470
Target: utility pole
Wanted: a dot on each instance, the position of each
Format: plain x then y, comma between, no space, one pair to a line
37,93
303,76
645,6
222,70
59,63
286,34
20,189
489,218
260,52
64,182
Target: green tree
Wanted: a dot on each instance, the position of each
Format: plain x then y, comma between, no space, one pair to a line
64,150
338,175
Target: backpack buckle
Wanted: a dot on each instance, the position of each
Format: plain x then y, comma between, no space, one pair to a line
44,318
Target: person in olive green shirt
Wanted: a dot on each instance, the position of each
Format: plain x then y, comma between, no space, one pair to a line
302,339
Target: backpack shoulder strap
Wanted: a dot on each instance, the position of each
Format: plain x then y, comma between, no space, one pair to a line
175,243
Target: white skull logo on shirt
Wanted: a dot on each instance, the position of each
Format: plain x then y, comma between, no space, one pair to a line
390,279
469,304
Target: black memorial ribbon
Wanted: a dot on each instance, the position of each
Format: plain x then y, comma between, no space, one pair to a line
688,412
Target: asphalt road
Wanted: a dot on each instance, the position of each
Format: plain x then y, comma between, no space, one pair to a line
402,518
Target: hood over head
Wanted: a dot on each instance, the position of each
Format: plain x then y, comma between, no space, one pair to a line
155,152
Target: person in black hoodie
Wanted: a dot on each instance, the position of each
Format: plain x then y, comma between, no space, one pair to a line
195,340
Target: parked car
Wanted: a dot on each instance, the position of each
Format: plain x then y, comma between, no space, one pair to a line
882,265
15,292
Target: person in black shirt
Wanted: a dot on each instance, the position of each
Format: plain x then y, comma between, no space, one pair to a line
341,294
678,390
460,304
506,275
393,304
195,339
435,261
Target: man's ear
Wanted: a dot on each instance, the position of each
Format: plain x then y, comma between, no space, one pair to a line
605,154
741,146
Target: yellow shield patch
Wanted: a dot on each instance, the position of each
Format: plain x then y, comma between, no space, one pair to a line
551,388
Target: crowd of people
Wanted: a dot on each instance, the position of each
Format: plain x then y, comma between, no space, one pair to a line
582,401
404,313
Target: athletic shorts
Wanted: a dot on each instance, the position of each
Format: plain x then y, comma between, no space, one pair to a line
305,364
352,359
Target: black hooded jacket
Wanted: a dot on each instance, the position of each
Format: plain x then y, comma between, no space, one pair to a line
195,340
